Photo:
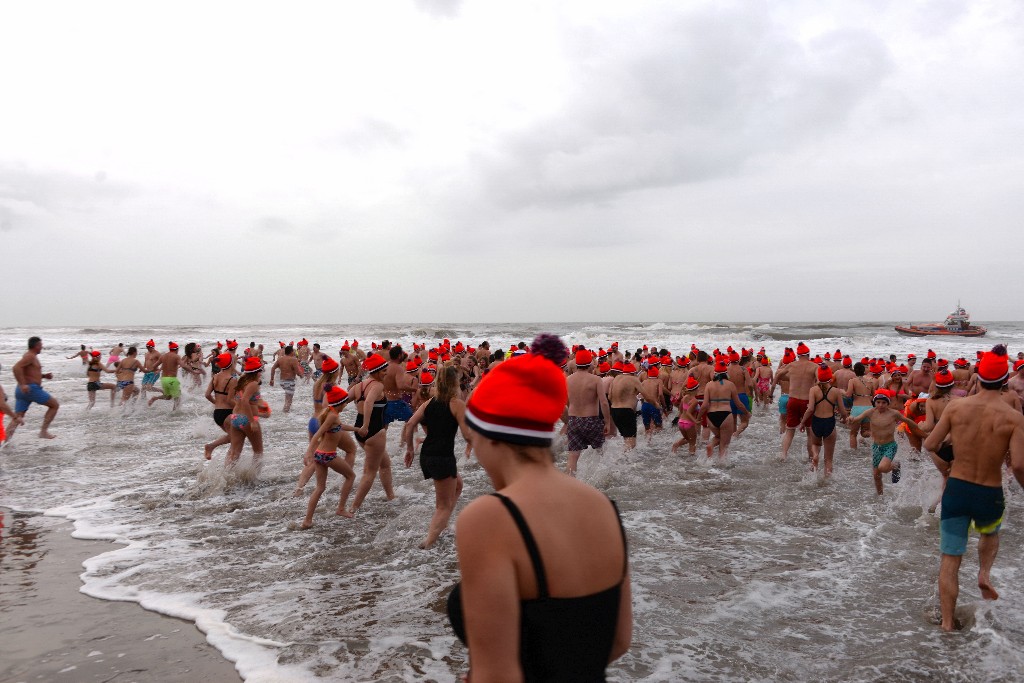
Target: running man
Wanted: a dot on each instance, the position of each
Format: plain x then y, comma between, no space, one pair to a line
29,376
290,367
983,428
590,418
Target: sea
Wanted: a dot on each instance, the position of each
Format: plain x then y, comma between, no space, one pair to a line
752,570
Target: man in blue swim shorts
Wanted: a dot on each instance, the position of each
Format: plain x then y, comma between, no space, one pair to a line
983,428
397,382
28,374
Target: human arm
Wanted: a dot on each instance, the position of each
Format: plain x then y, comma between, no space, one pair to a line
19,375
1017,451
860,418
409,430
273,371
209,392
939,432
490,592
326,424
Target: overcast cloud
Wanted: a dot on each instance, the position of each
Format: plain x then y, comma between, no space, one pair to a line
236,163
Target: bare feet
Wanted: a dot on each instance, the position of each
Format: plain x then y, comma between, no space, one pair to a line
987,591
208,451
297,492
46,435
305,525
342,512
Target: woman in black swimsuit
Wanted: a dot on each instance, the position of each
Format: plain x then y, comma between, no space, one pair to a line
822,403
371,433
545,590
441,417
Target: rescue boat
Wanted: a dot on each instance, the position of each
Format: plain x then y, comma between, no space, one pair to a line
958,324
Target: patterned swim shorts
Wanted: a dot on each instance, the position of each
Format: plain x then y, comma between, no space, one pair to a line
585,431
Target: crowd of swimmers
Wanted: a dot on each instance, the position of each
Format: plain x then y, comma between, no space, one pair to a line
706,396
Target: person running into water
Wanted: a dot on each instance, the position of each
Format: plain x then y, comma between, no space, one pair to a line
126,370
720,396
220,393
821,416
330,372
94,376
6,409
590,418
442,417
169,382
688,416
322,453
883,434
371,432
982,428
290,367
801,374
244,421
29,376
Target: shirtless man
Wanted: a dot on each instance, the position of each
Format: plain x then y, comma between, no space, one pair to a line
983,428
802,375
289,366
739,376
651,411
169,383
151,366
29,376
920,381
1016,383
302,354
623,392
842,380
317,356
590,418
350,363
703,371
126,370
115,354
398,382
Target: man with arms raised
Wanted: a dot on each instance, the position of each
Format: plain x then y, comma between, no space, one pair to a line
802,375
982,427
590,418
28,375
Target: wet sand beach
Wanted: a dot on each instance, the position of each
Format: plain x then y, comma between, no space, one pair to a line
49,631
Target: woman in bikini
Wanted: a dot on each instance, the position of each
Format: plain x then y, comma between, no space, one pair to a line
126,370
688,416
823,402
330,372
322,453
220,392
720,396
371,433
244,424
94,373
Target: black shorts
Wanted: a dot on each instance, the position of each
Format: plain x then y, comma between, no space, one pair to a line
438,466
221,414
625,421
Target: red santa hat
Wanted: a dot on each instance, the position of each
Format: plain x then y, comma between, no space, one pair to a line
944,379
584,358
426,379
692,383
824,374
252,365
521,399
653,371
329,364
335,396
224,361
374,362
802,349
994,365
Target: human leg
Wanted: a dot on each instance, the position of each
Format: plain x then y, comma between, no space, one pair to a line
314,498
949,588
444,502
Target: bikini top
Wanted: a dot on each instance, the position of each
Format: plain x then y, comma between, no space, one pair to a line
225,392
561,639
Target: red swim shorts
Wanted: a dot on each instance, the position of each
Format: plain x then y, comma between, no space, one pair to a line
795,410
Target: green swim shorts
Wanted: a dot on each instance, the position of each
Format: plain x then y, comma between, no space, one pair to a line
171,386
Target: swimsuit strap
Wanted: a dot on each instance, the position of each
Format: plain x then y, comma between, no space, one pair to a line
625,545
531,544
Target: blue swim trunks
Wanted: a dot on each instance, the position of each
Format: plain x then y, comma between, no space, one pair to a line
783,402
397,411
650,413
35,395
965,503
881,451
314,426
150,378
744,399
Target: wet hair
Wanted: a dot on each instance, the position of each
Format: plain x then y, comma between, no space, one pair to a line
522,346
288,350
83,347
702,356
721,375
446,385
316,346
498,355
395,353
858,369
32,341
326,378
132,350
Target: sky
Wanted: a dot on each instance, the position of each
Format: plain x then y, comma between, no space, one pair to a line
455,161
